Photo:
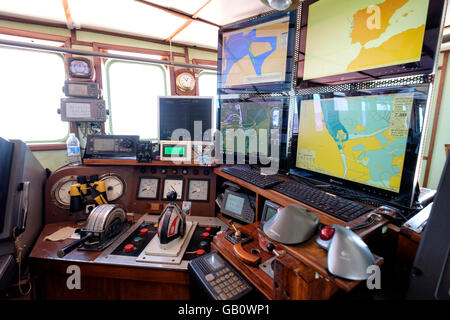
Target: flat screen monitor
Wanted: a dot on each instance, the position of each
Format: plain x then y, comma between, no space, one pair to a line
353,40
254,129
180,112
257,55
368,140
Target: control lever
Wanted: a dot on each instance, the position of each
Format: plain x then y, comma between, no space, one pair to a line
271,248
237,233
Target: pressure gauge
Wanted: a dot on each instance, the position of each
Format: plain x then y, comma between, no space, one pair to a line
198,190
60,192
115,186
173,184
148,188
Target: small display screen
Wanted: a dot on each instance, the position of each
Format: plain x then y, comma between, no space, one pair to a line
270,213
174,151
215,262
234,204
104,144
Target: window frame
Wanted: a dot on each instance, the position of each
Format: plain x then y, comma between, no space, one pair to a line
54,144
107,65
206,72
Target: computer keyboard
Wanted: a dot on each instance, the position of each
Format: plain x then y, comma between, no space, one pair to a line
338,207
252,176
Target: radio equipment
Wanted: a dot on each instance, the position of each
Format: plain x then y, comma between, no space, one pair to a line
111,146
81,89
82,110
147,151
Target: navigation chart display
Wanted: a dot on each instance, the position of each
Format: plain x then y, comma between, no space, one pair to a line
256,54
254,120
361,139
354,35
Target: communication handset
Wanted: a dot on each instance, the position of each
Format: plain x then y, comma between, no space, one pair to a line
236,204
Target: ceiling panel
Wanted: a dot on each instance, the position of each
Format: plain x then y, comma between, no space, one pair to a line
124,16
43,10
223,12
200,34
187,6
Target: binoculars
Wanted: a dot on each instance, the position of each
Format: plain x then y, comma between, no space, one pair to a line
87,192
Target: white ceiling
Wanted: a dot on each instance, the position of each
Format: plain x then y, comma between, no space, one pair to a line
135,18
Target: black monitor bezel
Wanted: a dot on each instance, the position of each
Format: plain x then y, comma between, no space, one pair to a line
252,158
265,87
211,109
426,65
408,183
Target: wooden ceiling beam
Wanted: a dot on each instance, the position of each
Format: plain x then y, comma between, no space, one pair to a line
177,13
67,14
187,23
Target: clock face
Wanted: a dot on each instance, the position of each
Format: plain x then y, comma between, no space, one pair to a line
173,185
198,190
148,188
185,81
79,68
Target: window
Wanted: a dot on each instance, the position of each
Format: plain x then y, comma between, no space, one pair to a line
30,87
207,84
133,89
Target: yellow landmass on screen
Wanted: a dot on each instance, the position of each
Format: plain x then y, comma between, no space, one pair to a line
369,143
361,32
394,182
328,157
357,171
401,48
359,127
258,48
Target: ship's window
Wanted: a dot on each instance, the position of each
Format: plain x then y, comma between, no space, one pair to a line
132,90
30,86
207,83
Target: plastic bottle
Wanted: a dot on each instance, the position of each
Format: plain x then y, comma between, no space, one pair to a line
73,150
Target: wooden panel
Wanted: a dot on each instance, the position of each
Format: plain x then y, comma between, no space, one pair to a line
130,174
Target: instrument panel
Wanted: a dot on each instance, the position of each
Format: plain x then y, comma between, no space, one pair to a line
138,188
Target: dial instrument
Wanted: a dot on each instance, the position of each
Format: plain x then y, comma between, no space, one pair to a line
148,188
60,192
185,81
79,68
174,184
115,186
198,190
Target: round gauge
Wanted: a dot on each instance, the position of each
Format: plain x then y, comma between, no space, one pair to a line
79,68
61,191
198,190
185,81
115,186
148,188
173,185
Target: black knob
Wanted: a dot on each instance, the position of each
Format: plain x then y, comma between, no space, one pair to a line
270,246
171,195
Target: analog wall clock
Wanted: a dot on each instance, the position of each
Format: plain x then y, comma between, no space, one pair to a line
185,82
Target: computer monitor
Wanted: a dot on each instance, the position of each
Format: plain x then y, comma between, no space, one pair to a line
353,40
257,55
368,140
254,129
183,112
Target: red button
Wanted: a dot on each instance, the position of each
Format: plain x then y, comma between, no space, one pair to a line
205,234
144,231
326,233
200,252
129,248
208,229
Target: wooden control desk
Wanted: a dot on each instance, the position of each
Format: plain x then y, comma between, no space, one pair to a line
300,273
